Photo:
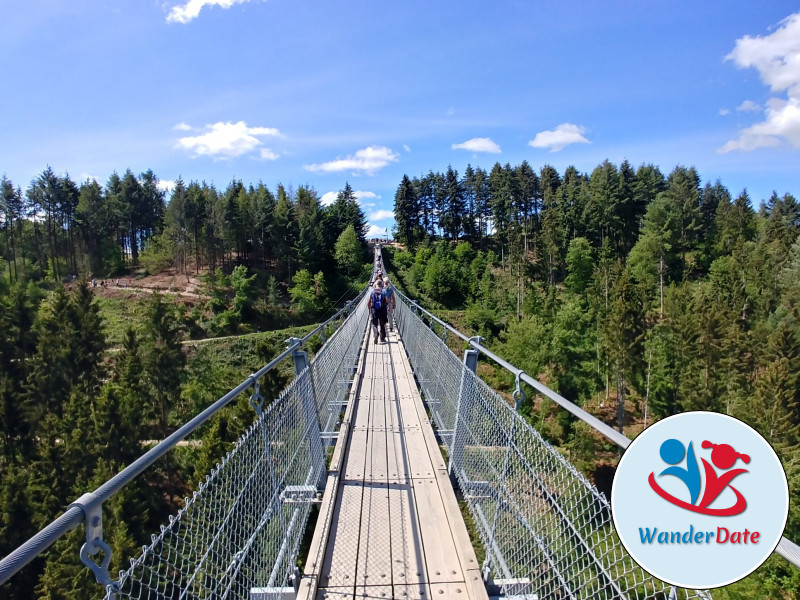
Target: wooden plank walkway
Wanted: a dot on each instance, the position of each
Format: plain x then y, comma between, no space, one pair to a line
389,525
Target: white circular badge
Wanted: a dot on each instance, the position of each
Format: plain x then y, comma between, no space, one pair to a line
700,500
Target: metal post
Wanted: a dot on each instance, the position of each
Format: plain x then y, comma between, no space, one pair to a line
463,407
313,431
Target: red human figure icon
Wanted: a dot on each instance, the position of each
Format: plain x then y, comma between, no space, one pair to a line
724,457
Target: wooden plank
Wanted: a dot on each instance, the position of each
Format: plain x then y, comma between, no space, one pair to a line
440,552
419,591
374,566
341,555
356,456
377,466
396,457
411,442
374,592
466,553
333,593
449,591
408,557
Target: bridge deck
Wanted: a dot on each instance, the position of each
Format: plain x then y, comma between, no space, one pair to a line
394,528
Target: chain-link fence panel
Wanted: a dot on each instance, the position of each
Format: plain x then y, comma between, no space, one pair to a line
238,535
546,530
333,367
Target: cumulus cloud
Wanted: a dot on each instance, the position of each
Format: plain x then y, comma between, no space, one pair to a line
368,160
267,154
229,140
478,145
328,198
777,59
166,185
375,231
381,215
182,127
560,137
184,13
406,147
748,106
362,194
724,112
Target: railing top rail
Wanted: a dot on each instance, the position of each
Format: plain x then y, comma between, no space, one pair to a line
615,436
75,513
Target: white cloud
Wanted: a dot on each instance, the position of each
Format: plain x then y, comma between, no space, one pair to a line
375,231
478,145
381,215
368,160
724,112
328,198
228,140
748,106
777,59
362,195
406,147
182,127
90,178
560,137
184,13
267,154
166,185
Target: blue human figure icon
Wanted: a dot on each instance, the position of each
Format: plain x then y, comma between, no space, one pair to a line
672,452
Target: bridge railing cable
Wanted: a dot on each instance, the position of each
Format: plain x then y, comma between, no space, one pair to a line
241,530
546,529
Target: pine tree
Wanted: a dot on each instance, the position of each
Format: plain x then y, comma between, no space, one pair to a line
164,360
625,334
407,214
349,253
653,256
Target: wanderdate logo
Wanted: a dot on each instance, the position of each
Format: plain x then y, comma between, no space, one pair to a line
700,500
723,457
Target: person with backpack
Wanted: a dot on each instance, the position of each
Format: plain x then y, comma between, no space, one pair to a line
391,301
377,310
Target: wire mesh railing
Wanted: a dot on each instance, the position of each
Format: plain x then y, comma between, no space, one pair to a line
546,530
239,534
241,529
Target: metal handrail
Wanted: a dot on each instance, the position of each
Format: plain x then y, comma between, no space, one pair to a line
615,436
786,548
78,511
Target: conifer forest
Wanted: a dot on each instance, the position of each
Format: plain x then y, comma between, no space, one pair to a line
633,292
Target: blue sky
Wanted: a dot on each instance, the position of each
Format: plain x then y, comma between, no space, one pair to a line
320,92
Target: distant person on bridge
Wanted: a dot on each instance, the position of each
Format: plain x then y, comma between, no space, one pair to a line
391,301
377,310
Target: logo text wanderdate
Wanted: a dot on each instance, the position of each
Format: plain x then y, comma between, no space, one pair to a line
721,536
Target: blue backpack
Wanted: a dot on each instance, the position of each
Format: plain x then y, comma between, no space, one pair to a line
377,300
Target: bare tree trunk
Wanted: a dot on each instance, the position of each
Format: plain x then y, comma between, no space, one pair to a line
647,393
620,401
661,282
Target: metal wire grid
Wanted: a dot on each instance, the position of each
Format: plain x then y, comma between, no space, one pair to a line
333,367
546,530
241,530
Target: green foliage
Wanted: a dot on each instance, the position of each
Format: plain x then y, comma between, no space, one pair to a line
309,293
580,264
349,253
157,255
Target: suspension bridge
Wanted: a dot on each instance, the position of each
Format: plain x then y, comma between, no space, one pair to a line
382,440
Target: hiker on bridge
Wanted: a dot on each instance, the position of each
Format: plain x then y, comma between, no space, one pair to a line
378,310
391,301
